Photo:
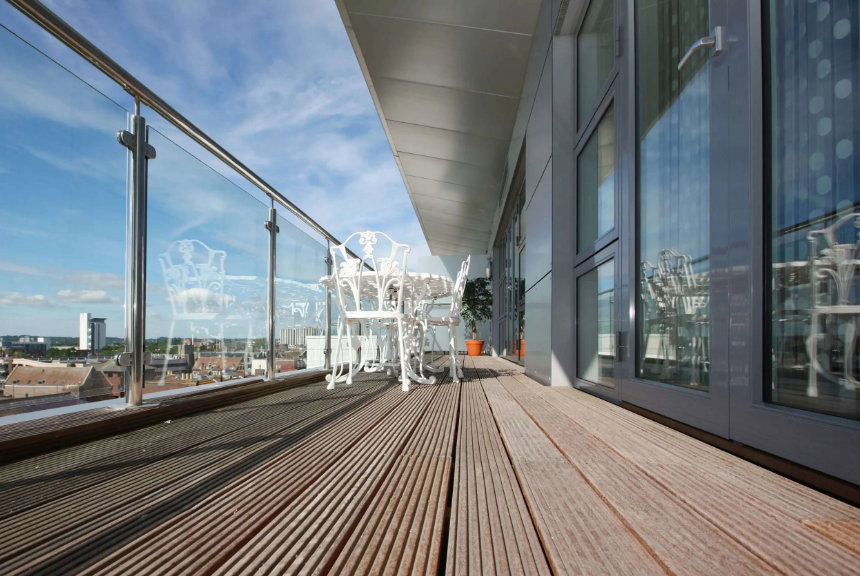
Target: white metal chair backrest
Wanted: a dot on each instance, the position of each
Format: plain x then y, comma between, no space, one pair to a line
379,290
194,276
459,288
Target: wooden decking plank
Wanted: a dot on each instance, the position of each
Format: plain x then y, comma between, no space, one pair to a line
86,511
30,438
788,496
369,547
684,540
135,516
581,534
195,537
389,536
499,523
308,533
718,488
27,482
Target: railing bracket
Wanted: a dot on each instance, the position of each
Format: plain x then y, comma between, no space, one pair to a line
126,138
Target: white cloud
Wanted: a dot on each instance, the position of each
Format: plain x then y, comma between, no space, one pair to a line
96,280
276,82
19,269
103,169
86,297
19,299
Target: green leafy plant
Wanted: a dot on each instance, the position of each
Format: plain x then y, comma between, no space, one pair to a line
477,304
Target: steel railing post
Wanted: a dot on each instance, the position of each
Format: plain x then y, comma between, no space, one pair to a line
272,227
135,358
328,308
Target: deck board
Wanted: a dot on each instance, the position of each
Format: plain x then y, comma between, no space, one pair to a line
496,475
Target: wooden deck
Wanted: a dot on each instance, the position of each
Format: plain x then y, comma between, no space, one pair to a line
497,475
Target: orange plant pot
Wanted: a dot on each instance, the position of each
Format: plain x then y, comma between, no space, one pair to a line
474,347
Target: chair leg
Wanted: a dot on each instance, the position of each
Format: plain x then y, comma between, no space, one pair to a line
336,364
351,352
404,373
452,354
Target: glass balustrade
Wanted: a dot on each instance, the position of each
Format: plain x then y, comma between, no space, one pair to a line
207,270
64,180
299,299
63,184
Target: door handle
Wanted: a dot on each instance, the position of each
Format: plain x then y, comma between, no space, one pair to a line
715,41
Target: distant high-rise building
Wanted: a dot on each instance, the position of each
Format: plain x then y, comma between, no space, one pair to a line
93,333
296,336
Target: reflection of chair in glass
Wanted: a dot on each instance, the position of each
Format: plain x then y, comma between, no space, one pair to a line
366,297
194,277
678,299
834,301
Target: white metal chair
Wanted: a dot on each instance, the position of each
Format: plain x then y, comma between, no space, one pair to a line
451,321
374,296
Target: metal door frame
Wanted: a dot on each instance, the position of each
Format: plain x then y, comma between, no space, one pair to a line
708,411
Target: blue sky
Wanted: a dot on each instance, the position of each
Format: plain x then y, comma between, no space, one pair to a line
275,82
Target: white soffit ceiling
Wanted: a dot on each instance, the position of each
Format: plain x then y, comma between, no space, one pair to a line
446,78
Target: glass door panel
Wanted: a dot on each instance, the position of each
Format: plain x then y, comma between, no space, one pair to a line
674,194
595,57
595,329
595,176
814,206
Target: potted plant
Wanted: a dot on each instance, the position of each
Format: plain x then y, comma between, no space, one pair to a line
476,306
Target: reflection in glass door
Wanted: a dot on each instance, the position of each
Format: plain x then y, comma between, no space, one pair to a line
673,200
595,327
814,78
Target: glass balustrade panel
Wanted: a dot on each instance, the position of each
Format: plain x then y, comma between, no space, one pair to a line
64,189
299,300
207,270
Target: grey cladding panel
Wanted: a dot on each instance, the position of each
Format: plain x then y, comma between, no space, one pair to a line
446,191
476,210
539,131
448,171
449,145
454,57
516,16
447,108
539,231
538,329
429,214
438,229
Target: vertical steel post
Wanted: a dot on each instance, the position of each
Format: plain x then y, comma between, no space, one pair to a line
135,304
328,272
272,227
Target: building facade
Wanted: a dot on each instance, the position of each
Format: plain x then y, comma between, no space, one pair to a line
677,206
93,334
27,344
697,218
296,336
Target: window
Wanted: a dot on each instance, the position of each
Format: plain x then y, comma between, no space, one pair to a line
814,244
595,176
595,57
595,329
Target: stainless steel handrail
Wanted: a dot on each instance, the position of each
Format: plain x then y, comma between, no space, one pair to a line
42,16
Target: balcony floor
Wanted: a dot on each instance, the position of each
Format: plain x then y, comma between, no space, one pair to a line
497,475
